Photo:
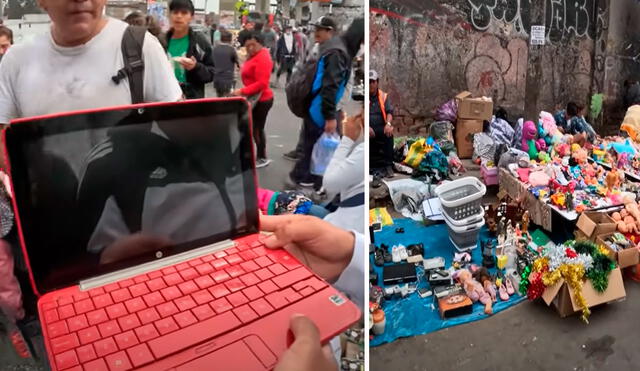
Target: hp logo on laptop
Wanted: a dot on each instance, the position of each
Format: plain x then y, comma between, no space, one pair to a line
158,254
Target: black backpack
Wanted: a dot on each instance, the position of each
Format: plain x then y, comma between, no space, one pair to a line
133,69
299,88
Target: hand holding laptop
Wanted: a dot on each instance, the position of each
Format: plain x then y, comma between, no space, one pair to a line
324,248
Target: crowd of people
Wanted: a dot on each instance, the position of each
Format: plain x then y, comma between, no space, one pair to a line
77,60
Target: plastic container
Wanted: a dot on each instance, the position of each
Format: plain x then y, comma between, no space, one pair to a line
478,216
464,238
379,322
489,175
323,152
462,197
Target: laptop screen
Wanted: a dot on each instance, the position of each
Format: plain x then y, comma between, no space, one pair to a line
106,190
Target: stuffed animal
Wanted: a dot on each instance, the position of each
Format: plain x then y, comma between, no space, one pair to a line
551,133
580,155
544,157
474,290
563,149
625,147
530,144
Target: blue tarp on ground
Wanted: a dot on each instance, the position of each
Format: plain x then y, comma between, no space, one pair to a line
414,315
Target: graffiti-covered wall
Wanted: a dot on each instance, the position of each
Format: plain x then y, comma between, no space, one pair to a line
428,50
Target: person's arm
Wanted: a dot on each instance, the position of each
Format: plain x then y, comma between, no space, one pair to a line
204,69
388,128
263,74
335,68
8,101
160,84
350,281
345,168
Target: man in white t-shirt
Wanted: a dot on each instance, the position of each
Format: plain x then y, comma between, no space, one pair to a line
70,67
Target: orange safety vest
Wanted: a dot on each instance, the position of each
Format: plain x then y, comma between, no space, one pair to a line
382,99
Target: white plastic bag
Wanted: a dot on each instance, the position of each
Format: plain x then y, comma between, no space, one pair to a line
323,152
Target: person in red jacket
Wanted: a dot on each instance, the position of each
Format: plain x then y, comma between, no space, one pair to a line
256,74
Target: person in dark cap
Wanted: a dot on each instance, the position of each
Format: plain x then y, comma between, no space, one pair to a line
334,62
190,51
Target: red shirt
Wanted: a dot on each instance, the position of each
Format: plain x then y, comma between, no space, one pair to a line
256,74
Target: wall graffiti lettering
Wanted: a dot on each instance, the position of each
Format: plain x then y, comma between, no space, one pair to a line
563,18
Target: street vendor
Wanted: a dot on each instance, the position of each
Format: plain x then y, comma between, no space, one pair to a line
572,121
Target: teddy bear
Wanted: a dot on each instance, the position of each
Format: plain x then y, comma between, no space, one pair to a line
474,290
530,143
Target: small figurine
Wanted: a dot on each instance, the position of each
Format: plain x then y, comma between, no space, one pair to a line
525,221
612,180
569,201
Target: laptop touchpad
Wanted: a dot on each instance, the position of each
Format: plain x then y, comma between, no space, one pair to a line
250,353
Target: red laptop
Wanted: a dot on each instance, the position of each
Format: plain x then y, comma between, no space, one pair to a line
139,226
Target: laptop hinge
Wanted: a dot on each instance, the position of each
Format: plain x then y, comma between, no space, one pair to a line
123,274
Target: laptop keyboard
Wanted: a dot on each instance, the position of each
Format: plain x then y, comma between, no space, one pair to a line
133,322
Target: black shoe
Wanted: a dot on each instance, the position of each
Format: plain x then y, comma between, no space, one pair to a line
385,252
388,172
378,258
292,155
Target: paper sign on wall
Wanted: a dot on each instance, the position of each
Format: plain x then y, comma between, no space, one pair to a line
538,35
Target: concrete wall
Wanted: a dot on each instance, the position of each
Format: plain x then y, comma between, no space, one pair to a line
427,51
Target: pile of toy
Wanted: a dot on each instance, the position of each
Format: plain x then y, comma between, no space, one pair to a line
618,153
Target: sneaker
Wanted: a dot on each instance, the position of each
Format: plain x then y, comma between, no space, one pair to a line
402,251
262,162
292,155
395,253
306,184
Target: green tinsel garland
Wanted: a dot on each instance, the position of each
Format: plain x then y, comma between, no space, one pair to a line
602,265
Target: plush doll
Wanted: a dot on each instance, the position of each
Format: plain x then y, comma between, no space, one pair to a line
580,155
474,290
530,144
544,157
563,149
482,275
551,133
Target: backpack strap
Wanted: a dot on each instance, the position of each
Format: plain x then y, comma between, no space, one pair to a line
133,69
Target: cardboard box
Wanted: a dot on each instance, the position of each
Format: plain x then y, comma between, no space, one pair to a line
474,108
562,297
594,224
465,129
625,258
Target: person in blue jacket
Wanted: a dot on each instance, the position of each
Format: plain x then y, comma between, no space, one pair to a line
333,71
